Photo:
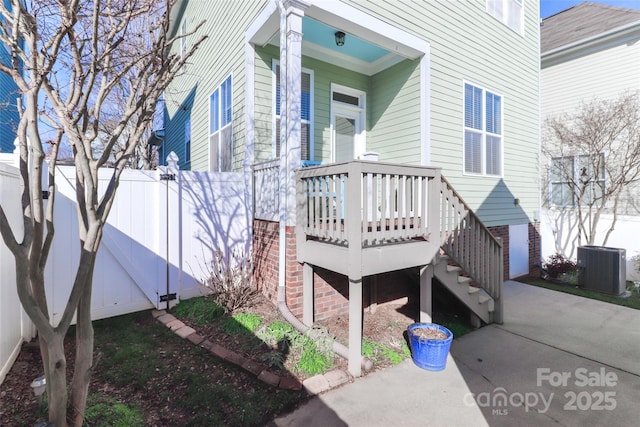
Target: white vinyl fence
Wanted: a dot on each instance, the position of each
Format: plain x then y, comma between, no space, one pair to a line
15,326
162,232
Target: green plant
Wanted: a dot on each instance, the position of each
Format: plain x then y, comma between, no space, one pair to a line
110,412
273,359
276,332
376,351
200,311
241,322
312,361
313,350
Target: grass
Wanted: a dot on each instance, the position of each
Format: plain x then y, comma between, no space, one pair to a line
105,412
632,301
152,369
199,311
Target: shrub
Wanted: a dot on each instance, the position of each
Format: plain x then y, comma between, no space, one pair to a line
557,265
230,280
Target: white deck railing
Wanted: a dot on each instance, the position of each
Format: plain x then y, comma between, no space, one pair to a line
468,242
376,204
371,202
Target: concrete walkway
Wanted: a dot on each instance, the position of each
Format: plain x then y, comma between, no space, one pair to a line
558,359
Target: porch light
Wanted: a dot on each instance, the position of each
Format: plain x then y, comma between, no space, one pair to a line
339,38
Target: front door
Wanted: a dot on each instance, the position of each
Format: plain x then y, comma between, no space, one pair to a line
347,117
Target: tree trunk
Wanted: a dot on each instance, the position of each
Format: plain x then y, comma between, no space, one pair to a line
84,353
57,381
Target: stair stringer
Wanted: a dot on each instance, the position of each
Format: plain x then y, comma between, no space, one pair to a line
478,301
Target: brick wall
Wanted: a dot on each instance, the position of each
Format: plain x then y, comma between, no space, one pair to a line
330,300
534,249
502,231
331,290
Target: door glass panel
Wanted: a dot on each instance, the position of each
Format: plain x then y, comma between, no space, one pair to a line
345,138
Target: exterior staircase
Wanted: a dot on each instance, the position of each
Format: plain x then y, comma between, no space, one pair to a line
470,263
463,287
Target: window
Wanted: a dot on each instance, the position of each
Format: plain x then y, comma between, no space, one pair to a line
187,141
221,128
509,12
306,113
577,178
482,131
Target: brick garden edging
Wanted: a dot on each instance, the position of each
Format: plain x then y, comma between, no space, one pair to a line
314,385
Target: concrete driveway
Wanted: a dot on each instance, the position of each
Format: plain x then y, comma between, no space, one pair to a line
558,359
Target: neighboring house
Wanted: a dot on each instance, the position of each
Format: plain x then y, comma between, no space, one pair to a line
8,107
435,84
588,52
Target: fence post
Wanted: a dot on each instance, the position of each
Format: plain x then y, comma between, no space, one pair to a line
169,232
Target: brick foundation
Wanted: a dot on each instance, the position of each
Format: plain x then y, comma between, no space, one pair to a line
534,249
502,231
331,290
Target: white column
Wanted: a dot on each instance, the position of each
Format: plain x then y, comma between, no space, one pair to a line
291,16
426,302
355,326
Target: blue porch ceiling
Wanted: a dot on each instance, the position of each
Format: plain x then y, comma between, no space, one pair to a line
323,35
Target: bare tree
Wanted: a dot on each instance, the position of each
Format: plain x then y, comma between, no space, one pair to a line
594,156
71,59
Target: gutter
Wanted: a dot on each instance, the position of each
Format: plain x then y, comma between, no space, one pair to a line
627,30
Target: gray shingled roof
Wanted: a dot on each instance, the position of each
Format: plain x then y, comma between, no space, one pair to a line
582,21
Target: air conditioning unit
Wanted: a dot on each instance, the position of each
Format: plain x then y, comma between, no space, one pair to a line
602,269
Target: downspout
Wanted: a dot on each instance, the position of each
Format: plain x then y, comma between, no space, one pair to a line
338,348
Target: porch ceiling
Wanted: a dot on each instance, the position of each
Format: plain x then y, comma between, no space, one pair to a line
371,45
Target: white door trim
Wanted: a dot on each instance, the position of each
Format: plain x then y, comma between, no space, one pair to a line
352,111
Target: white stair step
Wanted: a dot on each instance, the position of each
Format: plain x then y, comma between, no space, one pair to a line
463,279
473,290
452,268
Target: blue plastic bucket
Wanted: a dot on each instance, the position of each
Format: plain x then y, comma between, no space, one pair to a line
427,353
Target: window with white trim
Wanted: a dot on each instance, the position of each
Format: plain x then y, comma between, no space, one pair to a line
509,12
221,128
577,179
187,141
483,133
306,111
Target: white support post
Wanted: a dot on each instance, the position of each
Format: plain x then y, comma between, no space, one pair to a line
169,233
355,326
307,294
426,301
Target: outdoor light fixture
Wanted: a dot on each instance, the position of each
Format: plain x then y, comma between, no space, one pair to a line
339,38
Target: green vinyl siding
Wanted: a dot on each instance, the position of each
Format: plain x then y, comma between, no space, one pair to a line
468,44
324,74
220,55
394,112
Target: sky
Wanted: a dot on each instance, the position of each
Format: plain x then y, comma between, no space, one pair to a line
550,7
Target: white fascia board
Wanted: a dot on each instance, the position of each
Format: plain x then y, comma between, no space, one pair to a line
265,27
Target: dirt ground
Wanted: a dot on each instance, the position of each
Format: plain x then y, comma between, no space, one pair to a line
17,401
